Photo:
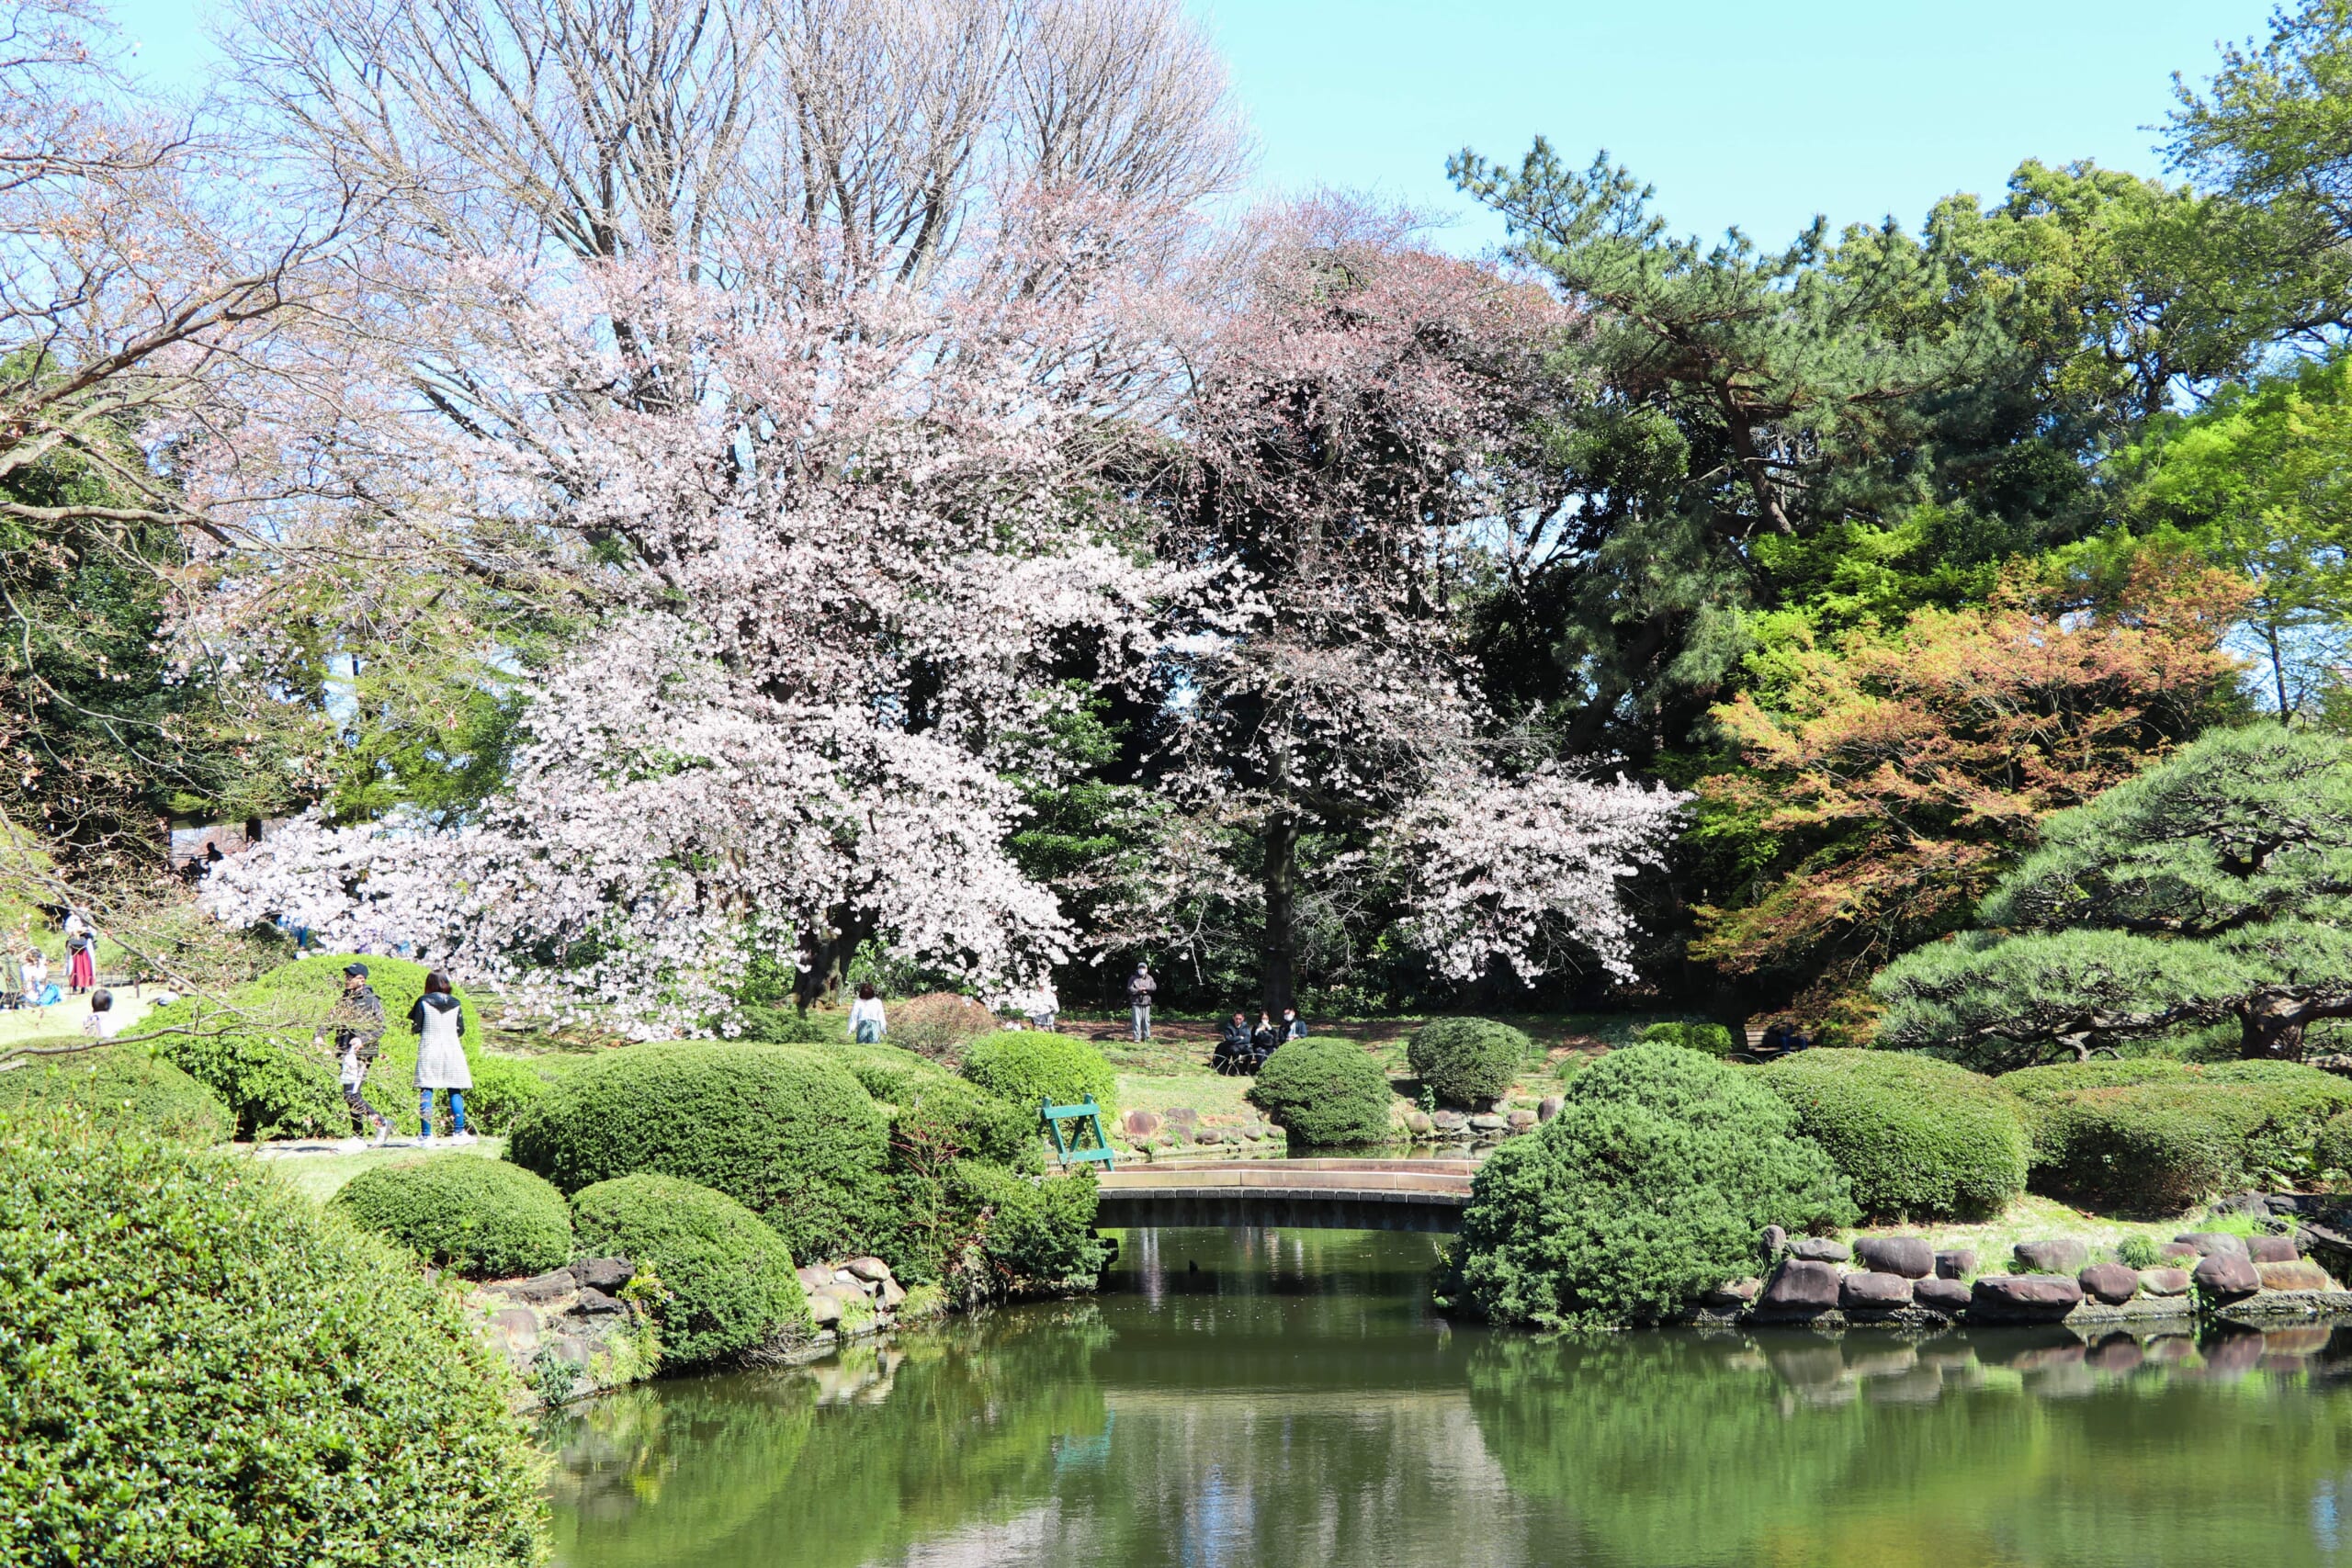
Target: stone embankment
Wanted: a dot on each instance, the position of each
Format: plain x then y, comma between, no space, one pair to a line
589,1327
1902,1281
1157,1131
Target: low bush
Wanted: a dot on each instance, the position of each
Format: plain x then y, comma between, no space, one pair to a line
1025,1066
784,1129
1036,1232
937,1116
936,1023
774,1023
729,1276
198,1366
2139,1252
1648,1188
2153,1135
1918,1139
121,1087
260,1059
2332,1150
1326,1093
482,1218
1707,1039
1467,1061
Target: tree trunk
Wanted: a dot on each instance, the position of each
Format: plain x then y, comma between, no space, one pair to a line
1278,965
826,956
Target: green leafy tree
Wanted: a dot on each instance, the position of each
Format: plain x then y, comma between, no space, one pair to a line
2209,890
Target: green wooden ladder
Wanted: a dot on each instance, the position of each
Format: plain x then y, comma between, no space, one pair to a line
1069,1125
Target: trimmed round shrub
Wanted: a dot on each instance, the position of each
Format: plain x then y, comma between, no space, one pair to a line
1326,1093
121,1086
2152,1135
1707,1039
1025,1066
783,1130
1036,1232
935,1116
260,1060
483,1218
728,1275
1649,1188
2333,1148
198,1366
1467,1061
1918,1139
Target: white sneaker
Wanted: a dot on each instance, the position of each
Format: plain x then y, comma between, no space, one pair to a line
383,1134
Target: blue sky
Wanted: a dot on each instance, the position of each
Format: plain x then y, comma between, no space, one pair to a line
1747,113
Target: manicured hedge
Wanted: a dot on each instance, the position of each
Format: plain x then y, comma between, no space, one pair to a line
260,1059
1467,1061
784,1129
199,1367
946,1115
1917,1138
121,1087
2155,1136
1036,1232
730,1277
1025,1066
483,1218
2333,1149
1648,1188
1326,1093
1707,1039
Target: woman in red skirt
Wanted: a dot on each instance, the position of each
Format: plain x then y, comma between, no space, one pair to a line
80,954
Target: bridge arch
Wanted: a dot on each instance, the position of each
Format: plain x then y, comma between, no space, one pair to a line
1323,1194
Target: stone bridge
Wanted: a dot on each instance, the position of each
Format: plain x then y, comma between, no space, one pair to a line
1322,1194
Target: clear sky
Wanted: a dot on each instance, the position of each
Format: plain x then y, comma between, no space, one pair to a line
1739,112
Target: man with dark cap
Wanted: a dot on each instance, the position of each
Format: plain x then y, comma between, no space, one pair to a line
358,1025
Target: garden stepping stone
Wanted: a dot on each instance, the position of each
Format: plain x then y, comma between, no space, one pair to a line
2024,1298
1956,1264
2050,1257
2295,1275
1818,1249
1940,1295
1868,1291
1908,1256
2272,1249
2164,1281
2210,1244
1800,1287
2111,1282
2227,1275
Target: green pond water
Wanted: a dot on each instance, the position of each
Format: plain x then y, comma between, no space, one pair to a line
1280,1398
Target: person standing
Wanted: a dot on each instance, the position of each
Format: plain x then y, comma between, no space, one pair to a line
439,1019
80,955
1140,985
866,1024
358,1022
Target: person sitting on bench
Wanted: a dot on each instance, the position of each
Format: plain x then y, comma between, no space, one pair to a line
1233,1053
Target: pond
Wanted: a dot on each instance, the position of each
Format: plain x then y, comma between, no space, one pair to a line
1264,1398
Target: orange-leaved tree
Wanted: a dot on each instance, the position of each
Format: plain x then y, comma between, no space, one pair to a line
1888,777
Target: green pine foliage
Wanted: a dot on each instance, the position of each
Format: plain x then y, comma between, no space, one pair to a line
729,1276
199,1366
1327,1094
1650,1188
120,1087
2332,1150
935,1114
1918,1139
1468,1062
482,1218
1025,1066
1708,1039
784,1129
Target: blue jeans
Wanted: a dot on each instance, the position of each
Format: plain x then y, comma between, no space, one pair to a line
1142,1012
425,1109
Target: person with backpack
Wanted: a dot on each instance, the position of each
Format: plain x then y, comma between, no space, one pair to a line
357,1025
439,1019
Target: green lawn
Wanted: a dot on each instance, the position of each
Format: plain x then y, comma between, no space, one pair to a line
321,1176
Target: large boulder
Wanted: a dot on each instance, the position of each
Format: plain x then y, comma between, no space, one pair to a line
2272,1249
1821,1250
1908,1256
2050,1257
1957,1264
1938,1294
1799,1288
2024,1298
2227,1275
2113,1284
2295,1276
2210,1243
1873,1292
2164,1281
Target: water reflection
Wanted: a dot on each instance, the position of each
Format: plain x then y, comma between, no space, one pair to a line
1264,1398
